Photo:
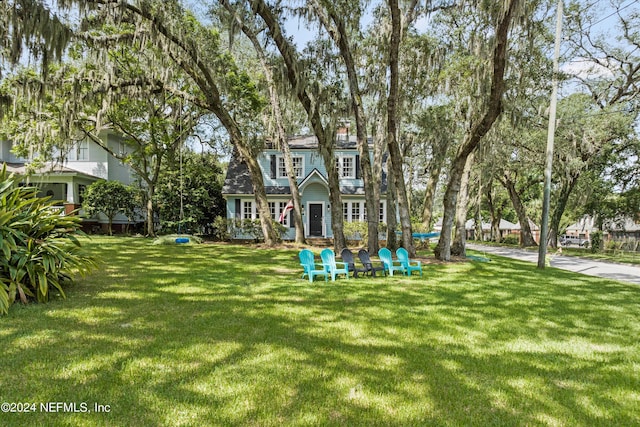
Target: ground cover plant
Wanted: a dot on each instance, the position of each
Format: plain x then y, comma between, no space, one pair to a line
219,334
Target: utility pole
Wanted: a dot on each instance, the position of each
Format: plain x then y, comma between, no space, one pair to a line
544,228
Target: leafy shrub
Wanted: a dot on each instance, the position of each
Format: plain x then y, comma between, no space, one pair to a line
356,230
251,228
511,240
38,245
220,229
110,198
611,245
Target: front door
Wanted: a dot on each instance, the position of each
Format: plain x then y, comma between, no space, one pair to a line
315,219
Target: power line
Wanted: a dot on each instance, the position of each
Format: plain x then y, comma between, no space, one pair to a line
611,14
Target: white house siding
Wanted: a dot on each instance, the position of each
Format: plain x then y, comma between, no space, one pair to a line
97,163
118,171
6,155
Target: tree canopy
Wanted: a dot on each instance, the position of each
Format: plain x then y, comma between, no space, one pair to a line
452,91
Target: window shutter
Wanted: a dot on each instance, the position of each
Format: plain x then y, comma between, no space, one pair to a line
357,166
291,224
273,166
238,212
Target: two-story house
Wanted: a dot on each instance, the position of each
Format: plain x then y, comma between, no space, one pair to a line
312,181
66,180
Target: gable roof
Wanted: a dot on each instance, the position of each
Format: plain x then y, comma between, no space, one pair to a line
238,180
314,175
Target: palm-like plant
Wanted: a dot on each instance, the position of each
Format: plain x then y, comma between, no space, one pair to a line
38,245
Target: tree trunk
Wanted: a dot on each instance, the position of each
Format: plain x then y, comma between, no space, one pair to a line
458,245
340,36
429,194
478,215
496,215
376,179
392,221
324,134
150,211
392,129
556,217
262,205
277,115
476,132
295,192
335,198
526,236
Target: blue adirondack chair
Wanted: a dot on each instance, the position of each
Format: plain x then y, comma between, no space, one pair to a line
389,264
307,262
331,265
408,264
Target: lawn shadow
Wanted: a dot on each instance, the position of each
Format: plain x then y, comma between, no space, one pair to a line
214,335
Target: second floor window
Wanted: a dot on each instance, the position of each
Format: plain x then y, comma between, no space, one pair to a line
297,167
346,166
82,152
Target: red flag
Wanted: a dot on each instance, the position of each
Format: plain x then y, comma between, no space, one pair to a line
287,208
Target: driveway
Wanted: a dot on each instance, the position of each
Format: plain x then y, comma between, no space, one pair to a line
608,270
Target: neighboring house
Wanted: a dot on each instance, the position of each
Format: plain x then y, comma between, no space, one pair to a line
66,181
628,229
311,176
506,228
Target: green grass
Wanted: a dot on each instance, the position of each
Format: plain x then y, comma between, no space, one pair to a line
617,255
196,335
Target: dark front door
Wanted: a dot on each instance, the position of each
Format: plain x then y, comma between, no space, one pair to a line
315,219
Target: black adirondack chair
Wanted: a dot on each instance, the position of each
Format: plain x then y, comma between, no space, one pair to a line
347,257
363,254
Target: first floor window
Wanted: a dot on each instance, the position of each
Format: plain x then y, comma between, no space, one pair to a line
272,210
282,206
382,215
355,211
247,211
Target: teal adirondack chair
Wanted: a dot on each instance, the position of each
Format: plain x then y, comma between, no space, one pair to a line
331,265
408,264
389,264
307,262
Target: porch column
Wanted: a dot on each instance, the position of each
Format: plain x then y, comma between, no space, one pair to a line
70,204
71,193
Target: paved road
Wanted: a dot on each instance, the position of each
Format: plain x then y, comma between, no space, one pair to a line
609,270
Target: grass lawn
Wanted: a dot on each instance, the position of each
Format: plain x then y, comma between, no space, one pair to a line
230,335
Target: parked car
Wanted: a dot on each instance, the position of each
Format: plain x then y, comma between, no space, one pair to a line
573,240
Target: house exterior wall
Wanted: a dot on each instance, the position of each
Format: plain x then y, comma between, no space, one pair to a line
118,171
6,155
313,188
84,163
